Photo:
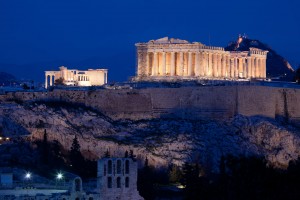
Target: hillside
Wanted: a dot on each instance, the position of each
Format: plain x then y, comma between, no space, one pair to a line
163,139
277,67
7,79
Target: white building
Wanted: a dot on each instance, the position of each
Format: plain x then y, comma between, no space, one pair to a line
175,59
74,77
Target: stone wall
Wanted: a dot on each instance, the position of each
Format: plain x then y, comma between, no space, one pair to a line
212,102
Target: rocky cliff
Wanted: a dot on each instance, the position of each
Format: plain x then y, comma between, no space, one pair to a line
162,139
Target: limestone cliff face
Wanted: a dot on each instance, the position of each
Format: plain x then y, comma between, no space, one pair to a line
162,140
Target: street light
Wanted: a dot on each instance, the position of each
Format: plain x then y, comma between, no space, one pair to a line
60,179
59,176
28,175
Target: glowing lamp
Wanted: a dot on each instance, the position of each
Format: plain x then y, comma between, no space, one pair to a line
59,176
28,175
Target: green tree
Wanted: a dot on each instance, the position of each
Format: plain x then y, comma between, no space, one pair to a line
45,148
191,180
145,181
76,157
175,174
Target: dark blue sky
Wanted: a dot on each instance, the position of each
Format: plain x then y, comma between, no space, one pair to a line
38,35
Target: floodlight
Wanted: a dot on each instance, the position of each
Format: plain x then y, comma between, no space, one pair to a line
28,175
59,176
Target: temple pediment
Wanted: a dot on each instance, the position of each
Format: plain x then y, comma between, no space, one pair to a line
167,40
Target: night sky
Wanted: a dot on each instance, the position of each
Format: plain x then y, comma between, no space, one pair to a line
39,35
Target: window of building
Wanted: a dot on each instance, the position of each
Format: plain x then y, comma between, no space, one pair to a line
109,163
118,166
127,182
127,167
119,182
104,170
109,182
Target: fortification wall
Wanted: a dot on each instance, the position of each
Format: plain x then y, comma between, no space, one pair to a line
213,102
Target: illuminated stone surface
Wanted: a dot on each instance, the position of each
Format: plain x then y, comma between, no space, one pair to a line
172,59
74,77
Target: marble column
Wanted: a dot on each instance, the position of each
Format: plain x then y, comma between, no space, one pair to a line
210,64
201,63
227,66
163,69
190,64
257,68
249,67
180,73
240,67
197,64
236,68
264,68
147,65
139,55
260,68
252,67
205,64
245,74
214,65
172,71
223,65
154,64
219,65
232,71
51,78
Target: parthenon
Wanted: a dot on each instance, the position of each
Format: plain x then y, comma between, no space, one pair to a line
169,59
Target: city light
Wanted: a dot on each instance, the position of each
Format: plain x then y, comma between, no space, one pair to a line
28,175
59,176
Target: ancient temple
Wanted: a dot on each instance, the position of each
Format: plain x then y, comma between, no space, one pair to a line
173,59
74,77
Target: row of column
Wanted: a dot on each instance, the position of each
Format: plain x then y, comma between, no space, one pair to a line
80,78
51,80
203,64
83,78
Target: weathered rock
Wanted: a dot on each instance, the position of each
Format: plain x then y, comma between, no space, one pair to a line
162,141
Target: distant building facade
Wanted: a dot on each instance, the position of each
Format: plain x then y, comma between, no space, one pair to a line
74,77
171,59
117,179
